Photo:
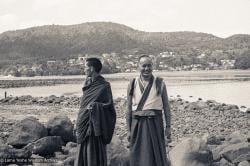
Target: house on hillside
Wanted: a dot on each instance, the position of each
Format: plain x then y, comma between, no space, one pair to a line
212,66
105,55
35,67
113,54
196,67
201,56
80,60
55,63
227,64
131,64
71,61
166,54
51,62
163,66
186,67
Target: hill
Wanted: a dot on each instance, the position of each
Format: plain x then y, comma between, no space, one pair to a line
38,44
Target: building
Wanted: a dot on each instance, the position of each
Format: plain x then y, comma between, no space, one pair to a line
227,64
166,54
80,60
201,56
71,61
51,62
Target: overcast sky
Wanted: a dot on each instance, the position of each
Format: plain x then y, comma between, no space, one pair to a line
219,17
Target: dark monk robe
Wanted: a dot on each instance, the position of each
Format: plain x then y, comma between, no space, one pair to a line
95,127
145,122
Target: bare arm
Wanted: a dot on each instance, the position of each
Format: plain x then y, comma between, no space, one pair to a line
129,109
166,109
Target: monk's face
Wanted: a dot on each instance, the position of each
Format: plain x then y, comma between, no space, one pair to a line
89,70
145,67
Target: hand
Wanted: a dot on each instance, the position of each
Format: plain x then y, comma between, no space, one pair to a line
129,137
90,106
74,130
168,134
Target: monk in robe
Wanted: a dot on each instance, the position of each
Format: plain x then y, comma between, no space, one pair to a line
96,118
147,102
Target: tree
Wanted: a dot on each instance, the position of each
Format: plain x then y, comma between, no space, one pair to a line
106,67
28,73
243,62
12,70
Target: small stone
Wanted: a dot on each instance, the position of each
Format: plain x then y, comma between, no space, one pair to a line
237,152
224,162
244,163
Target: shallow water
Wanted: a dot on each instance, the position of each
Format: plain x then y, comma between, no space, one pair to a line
231,87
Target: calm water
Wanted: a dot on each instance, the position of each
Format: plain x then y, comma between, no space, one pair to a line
231,87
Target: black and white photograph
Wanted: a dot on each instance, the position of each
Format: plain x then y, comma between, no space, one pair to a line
125,83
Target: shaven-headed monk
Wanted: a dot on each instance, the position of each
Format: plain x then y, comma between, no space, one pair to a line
96,118
147,101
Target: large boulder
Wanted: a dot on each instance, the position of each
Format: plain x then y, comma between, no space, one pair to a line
244,163
236,153
26,131
47,145
61,125
238,137
224,162
242,157
217,150
191,152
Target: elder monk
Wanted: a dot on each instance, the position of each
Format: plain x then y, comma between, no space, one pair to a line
96,118
147,101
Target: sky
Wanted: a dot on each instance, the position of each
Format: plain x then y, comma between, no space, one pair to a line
222,18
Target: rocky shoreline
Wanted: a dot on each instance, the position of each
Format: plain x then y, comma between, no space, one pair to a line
205,128
37,82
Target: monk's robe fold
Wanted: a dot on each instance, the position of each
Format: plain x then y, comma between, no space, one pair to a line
147,144
103,122
95,127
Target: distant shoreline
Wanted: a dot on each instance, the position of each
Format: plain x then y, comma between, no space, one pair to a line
212,72
216,75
